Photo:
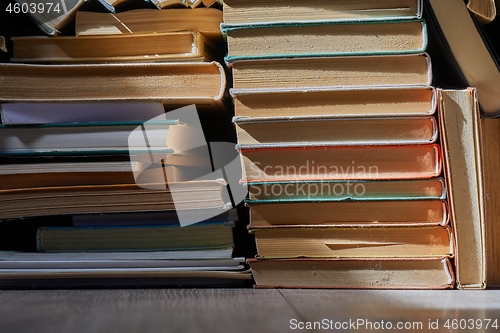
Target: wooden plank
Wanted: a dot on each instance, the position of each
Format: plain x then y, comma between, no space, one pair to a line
137,310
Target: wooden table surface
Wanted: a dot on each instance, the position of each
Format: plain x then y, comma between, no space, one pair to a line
242,310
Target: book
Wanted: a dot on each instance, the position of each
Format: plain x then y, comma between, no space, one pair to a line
477,64
359,214
461,140
490,135
324,242
324,72
485,11
170,46
242,12
78,112
170,83
45,165
50,17
35,200
184,260
324,39
205,20
359,273
252,132
3,45
138,238
349,162
187,3
340,190
82,137
333,102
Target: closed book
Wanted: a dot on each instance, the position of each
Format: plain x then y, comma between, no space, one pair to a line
362,273
50,17
344,190
170,83
243,12
332,242
466,52
328,72
81,137
141,238
360,214
325,39
341,162
205,20
461,139
53,113
170,46
333,102
312,131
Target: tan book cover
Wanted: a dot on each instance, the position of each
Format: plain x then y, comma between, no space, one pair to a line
329,72
461,140
362,273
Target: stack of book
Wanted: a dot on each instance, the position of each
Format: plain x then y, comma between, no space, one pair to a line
336,125
85,133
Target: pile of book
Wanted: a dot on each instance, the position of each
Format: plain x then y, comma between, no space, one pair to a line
336,125
85,135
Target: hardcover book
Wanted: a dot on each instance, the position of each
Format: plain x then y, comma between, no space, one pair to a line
246,12
325,39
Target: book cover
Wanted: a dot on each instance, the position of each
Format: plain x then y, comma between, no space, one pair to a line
324,39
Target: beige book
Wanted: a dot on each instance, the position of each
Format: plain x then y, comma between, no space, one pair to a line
459,115
335,242
205,20
187,3
362,273
157,238
340,102
172,46
490,132
328,72
337,131
171,83
265,41
376,213
278,11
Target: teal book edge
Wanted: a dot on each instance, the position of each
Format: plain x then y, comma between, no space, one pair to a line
337,198
230,59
